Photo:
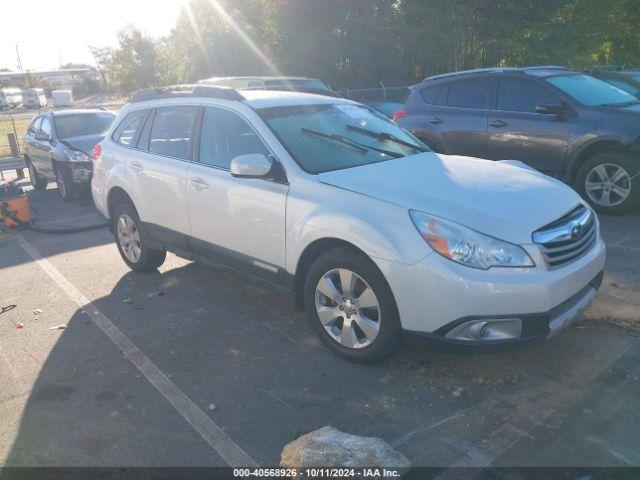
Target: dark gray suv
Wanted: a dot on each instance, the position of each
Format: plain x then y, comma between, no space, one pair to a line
59,146
566,124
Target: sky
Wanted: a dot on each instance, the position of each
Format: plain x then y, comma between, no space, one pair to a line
53,32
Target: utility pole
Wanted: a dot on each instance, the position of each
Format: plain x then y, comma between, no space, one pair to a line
19,61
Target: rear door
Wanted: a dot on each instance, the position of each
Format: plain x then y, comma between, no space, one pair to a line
462,121
240,221
517,132
159,166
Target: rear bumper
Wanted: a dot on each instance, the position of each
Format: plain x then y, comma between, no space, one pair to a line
536,326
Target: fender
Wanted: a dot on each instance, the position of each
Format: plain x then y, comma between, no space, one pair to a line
122,177
580,148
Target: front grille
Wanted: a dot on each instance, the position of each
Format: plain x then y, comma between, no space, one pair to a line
568,238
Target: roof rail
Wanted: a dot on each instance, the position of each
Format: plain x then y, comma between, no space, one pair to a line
495,70
173,91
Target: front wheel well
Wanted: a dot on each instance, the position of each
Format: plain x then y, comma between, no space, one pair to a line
309,255
590,151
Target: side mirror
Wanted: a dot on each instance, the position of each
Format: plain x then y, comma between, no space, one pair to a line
42,137
251,165
551,107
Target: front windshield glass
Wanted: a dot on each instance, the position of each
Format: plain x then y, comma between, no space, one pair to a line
591,91
78,124
329,137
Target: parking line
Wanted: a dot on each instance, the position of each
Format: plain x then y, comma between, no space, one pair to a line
207,428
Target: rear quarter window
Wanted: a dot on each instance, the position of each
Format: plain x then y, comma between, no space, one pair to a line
128,129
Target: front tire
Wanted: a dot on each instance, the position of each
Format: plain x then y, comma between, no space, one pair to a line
610,182
351,308
38,182
133,242
66,188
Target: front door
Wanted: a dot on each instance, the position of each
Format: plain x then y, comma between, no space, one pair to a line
517,132
40,150
240,221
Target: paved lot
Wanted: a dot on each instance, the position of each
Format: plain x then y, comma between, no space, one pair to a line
198,366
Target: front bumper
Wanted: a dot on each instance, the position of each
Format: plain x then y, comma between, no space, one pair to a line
435,295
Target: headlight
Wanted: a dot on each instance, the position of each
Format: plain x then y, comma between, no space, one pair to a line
466,246
77,156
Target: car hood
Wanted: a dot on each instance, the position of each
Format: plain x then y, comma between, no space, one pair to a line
84,143
507,200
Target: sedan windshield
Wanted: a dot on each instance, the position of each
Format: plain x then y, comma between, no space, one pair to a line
329,137
79,124
591,91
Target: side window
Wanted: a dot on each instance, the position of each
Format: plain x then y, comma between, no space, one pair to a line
472,93
516,95
432,95
171,132
35,125
45,127
128,128
225,135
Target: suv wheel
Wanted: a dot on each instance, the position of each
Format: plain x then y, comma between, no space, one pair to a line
351,308
610,182
38,182
66,188
132,241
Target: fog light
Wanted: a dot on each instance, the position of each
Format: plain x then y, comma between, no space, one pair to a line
487,329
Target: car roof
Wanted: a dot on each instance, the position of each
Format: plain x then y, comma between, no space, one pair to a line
250,77
538,71
77,111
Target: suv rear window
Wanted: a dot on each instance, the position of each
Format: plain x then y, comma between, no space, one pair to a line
172,130
128,129
472,93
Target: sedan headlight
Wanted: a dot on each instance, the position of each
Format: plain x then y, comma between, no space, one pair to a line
77,156
466,246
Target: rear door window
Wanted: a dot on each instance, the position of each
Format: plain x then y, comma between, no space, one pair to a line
172,130
127,131
472,93
432,95
517,95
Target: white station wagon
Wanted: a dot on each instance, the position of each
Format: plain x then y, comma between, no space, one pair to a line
375,236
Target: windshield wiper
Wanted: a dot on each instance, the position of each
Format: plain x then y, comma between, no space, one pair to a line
350,142
386,136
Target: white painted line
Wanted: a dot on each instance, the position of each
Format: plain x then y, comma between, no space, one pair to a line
405,438
624,247
207,428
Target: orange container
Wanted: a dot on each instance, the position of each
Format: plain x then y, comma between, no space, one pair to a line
17,202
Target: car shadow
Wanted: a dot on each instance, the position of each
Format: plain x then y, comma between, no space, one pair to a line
246,357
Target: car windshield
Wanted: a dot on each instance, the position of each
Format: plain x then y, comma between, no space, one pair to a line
78,124
328,137
591,91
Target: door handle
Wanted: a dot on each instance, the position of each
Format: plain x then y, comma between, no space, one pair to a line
498,123
199,184
436,120
136,167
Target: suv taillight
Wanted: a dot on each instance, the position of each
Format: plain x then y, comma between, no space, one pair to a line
398,114
97,151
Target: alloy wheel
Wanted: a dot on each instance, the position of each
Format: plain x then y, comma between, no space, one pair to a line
348,308
129,238
608,184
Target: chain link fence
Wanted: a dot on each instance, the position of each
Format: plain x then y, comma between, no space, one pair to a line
12,129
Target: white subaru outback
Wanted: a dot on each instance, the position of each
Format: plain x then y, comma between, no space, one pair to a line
375,236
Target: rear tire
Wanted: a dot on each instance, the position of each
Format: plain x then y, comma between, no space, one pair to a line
610,182
372,333
133,242
38,182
